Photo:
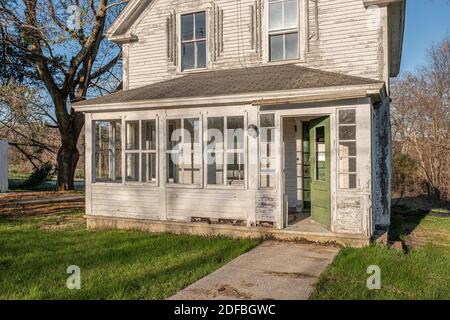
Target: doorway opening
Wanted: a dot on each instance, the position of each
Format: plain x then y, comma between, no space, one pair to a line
306,146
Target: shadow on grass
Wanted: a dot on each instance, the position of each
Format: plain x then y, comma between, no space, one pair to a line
409,213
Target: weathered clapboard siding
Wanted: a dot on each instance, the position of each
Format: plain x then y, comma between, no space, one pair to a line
126,201
349,40
183,204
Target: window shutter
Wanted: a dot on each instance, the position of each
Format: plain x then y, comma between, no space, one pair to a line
171,36
217,22
256,26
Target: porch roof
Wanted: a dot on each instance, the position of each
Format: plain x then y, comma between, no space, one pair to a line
253,80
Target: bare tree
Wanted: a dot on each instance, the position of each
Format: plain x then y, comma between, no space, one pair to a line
421,119
59,46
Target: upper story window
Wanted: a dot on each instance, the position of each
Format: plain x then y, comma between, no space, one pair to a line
193,41
283,30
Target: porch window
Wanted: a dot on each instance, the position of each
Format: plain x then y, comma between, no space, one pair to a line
225,151
183,156
267,157
283,30
108,151
140,151
193,41
347,149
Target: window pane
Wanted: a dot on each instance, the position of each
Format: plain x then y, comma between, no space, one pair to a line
347,149
200,25
276,47
102,166
191,152
191,134
188,56
108,148
132,135
235,133
290,14
275,16
215,168
291,42
347,181
149,167
149,135
173,168
132,166
201,54
235,168
187,27
347,165
347,116
174,134
347,132
267,120
117,151
215,150
215,133
320,154
267,170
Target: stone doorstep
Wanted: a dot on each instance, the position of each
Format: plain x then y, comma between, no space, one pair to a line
155,226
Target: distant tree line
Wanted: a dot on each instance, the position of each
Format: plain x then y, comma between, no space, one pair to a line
420,126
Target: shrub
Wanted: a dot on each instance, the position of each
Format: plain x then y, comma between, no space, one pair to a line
39,175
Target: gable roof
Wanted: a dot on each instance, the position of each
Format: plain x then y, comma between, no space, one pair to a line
126,19
274,78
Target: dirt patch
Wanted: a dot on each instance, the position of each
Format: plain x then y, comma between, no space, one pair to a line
63,223
228,291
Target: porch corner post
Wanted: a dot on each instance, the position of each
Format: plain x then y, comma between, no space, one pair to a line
88,162
253,167
162,165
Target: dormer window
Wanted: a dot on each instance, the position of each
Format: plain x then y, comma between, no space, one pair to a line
283,30
193,41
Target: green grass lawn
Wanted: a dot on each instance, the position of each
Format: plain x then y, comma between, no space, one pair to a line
423,272
35,253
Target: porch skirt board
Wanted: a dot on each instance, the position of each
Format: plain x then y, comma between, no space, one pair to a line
205,229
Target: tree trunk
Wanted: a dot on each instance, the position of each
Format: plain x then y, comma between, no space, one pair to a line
68,154
67,159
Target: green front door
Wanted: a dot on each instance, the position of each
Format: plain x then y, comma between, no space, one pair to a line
319,130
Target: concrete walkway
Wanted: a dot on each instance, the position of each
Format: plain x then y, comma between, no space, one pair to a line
273,270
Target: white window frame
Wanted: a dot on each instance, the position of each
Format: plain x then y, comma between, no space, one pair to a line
181,184
262,156
114,153
347,157
140,151
284,31
181,41
225,151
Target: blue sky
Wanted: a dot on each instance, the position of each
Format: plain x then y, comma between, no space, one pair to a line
427,21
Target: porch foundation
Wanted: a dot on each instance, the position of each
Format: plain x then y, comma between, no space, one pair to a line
204,229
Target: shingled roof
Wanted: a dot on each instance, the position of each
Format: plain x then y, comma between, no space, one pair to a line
233,81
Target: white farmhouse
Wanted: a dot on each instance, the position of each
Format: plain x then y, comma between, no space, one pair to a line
247,118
